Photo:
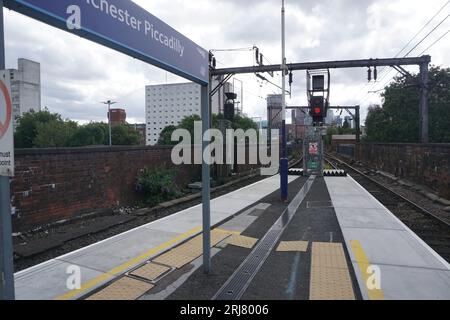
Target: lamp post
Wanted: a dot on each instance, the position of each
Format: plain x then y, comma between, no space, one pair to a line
109,103
283,160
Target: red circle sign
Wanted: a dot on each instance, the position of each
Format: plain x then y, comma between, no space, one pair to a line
5,126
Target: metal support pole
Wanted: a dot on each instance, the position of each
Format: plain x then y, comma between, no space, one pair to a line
6,246
283,160
424,107
206,184
109,123
109,103
358,123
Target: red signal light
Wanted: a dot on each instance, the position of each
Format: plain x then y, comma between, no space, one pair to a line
318,110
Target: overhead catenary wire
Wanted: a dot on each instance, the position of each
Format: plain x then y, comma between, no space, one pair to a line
428,34
386,71
435,42
420,42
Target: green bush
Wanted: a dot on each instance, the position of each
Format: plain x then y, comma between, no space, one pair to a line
157,185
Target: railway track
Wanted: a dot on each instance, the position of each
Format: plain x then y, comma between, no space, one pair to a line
431,229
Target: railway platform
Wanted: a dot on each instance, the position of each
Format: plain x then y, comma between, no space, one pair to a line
333,241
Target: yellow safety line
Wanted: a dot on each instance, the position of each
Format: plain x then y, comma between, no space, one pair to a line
127,265
364,264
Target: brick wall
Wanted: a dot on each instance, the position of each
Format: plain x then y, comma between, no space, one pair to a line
427,164
51,185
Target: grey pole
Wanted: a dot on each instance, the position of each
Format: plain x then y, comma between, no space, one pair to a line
109,123
284,160
206,187
358,123
424,107
6,253
109,103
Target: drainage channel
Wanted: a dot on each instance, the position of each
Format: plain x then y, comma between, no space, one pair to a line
238,283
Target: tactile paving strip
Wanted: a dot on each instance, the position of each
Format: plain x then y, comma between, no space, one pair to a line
150,271
189,251
123,289
242,241
330,277
174,259
293,246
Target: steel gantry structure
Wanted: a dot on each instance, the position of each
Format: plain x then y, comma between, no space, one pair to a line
423,62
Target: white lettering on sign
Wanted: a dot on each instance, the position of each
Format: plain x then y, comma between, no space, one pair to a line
6,127
124,17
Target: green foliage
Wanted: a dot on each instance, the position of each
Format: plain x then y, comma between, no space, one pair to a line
27,129
165,138
187,123
48,130
157,185
123,135
54,134
92,134
337,131
399,118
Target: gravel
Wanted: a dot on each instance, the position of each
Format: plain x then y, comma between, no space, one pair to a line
410,192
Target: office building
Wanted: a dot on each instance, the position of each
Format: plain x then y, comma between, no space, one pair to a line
25,87
274,111
169,104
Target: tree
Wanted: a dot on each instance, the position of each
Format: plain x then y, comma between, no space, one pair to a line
48,130
54,134
337,131
165,138
399,120
244,123
92,134
123,135
27,128
187,123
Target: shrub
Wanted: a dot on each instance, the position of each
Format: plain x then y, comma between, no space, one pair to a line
157,185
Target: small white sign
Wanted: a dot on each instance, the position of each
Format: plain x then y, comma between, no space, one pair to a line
6,127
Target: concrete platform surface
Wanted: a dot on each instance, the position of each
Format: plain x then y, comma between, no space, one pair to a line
103,261
405,267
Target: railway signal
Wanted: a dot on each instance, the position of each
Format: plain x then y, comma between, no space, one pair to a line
318,109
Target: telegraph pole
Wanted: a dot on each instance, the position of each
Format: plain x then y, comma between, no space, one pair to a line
424,103
109,103
6,246
283,160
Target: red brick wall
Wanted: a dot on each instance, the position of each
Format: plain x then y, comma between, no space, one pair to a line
51,185
427,164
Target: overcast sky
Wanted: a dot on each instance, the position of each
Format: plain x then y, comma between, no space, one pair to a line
77,74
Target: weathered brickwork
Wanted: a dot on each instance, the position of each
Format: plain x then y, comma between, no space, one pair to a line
427,164
52,185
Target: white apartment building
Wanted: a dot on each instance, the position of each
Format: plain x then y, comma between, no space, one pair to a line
168,104
25,87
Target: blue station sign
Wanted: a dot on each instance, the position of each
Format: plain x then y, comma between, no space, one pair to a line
123,26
